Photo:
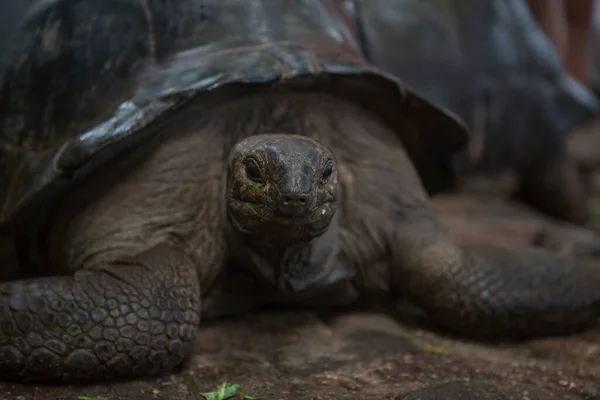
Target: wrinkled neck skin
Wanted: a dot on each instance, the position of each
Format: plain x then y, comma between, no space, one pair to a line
282,257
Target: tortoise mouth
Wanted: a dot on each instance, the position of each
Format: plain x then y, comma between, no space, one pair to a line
249,217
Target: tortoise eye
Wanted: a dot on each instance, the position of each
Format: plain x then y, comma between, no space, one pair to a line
253,171
327,172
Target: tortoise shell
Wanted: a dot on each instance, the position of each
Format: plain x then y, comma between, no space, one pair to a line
84,80
489,62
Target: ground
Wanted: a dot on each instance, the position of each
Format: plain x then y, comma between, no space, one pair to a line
304,354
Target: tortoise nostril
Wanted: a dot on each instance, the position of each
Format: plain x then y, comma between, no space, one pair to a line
291,200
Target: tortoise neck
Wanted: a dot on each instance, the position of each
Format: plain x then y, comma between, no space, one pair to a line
291,265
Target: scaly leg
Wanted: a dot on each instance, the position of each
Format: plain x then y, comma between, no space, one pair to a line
133,317
489,291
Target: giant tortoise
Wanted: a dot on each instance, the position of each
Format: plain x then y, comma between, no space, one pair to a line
491,63
156,155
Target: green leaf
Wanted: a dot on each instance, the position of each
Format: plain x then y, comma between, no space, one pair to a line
433,349
248,397
227,390
224,391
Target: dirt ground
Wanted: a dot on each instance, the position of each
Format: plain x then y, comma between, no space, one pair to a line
371,355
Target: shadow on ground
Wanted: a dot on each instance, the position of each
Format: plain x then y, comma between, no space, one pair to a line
364,355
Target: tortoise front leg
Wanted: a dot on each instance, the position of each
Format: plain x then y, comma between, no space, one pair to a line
488,291
132,317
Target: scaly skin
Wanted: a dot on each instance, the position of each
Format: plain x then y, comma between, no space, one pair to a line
356,215
136,316
485,291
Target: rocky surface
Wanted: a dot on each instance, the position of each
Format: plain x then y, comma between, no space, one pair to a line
360,354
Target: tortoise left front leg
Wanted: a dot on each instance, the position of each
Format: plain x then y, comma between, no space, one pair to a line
485,291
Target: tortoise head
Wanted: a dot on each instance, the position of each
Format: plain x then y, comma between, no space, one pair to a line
281,189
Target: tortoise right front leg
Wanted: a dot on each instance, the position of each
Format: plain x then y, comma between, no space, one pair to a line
132,317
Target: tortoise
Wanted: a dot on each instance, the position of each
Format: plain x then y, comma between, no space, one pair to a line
491,63
164,161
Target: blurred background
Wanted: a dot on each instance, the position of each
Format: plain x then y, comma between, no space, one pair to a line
523,74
